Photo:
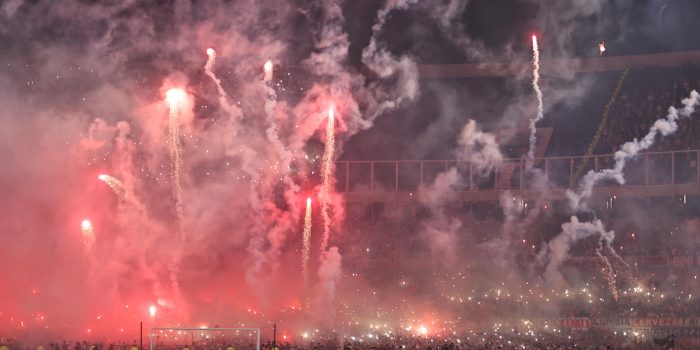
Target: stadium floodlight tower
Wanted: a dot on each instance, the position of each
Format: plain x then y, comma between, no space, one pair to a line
204,338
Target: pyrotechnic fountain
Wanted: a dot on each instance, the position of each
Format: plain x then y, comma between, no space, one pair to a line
306,248
272,131
327,178
175,98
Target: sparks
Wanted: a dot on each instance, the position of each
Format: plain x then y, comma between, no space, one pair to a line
601,47
115,185
152,311
327,177
176,97
306,249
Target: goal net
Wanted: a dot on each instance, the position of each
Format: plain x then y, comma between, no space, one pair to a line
204,338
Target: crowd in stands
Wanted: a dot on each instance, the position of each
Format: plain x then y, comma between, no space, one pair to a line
646,97
581,339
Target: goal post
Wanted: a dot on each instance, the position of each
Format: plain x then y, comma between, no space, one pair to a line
204,338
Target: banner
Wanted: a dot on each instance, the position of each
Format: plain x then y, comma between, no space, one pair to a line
648,327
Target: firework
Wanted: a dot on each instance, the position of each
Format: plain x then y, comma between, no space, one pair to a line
327,177
88,233
175,98
540,108
268,71
306,249
86,226
272,131
212,56
152,311
601,47
209,71
115,185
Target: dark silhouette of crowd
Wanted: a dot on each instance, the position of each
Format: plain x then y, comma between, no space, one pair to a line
646,96
581,339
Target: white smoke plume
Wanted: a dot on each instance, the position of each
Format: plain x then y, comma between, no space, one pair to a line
73,61
385,65
540,107
578,201
442,231
242,167
332,46
479,148
233,111
556,252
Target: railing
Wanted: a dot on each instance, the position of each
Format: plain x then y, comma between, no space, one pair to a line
648,169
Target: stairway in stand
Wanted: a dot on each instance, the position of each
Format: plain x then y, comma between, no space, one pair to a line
509,168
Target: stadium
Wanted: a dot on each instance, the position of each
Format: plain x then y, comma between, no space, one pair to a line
401,174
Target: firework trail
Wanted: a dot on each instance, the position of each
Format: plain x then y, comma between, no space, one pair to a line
209,71
664,126
272,132
267,67
175,97
306,249
540,109
88,234
115,185
327,178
